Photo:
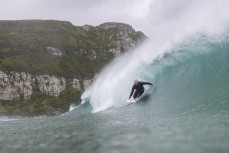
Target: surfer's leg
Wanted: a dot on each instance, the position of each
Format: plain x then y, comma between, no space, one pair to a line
140,93
136,94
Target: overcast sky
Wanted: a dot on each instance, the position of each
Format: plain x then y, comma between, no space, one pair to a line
143,15
79,12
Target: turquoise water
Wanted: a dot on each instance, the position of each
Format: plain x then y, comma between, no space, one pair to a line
187,112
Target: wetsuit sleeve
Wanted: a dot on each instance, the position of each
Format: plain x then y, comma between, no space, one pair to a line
147,83
132,91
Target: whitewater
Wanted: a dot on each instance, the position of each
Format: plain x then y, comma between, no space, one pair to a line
187,111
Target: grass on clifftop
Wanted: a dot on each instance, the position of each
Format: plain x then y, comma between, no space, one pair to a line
23,47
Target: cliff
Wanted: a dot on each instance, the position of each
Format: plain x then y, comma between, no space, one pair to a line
45,65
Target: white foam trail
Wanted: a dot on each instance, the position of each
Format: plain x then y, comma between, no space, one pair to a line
113,85
5,118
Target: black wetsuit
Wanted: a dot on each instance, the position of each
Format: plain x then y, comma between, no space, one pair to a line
139,89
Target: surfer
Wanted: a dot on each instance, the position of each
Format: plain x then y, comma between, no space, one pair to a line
139,89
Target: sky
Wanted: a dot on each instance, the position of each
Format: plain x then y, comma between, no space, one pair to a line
149,16
78,12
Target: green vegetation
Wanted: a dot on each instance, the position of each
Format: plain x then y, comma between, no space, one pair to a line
23,47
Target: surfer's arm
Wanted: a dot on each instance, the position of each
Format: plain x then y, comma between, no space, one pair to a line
132,91
147,83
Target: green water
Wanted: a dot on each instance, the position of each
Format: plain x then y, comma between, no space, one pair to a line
187,112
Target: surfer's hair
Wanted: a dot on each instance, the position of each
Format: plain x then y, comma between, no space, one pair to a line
136,81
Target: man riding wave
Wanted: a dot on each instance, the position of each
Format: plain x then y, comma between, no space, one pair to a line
139,89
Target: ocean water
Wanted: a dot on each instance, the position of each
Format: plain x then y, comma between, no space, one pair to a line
187,111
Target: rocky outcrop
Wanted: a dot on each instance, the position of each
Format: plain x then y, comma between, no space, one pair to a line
55,52
87,83
88,27
75,83
110,25
50,85
17,85
125,39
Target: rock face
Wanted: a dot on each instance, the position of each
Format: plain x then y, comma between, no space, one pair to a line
88,28
110,25
125,39
55,52
50,85
75,83
15,85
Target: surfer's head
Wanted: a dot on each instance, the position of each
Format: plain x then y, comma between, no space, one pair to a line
136,81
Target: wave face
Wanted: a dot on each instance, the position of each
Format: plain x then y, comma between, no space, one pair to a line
192,79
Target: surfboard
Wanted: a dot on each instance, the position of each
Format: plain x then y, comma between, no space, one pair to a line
132,100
